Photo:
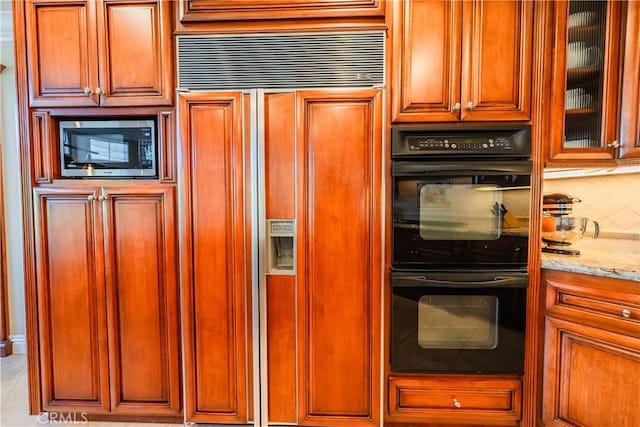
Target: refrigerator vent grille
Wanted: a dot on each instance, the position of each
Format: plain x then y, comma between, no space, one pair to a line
279,61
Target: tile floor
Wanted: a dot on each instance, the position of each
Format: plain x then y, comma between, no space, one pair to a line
14,411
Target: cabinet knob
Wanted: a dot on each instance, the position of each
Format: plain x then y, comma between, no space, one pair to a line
91,198
88,91
626,313
102,197
456,403
456,107
613,144
469,105
98,90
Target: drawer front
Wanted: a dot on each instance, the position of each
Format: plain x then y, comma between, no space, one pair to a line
463,399
607,308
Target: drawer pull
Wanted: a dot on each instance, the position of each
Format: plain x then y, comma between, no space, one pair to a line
626,313
456,403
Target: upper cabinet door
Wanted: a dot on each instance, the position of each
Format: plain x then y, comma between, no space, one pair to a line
99,52
229,10
586,70
497,53
426,60
61,53
461,60
135,53
630,107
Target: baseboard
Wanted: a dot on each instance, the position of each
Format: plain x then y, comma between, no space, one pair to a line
19,344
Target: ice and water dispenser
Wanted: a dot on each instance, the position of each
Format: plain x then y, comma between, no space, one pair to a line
281,246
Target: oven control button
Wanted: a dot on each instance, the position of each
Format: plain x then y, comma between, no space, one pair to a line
485,146
454,145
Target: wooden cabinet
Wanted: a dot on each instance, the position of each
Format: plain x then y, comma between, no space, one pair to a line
99,52
339,256
458,399
595,99
71,301
108,300
320,325
630,104
461,60
215,267
592,347
230,10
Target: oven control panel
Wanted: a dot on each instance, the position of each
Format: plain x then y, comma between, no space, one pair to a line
459,144
506,141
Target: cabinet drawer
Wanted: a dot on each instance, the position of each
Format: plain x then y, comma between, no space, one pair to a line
493,400
600,302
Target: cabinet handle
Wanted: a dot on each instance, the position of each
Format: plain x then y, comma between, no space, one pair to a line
613,144
456,107
469,105
88,91
626,313
98,90
91,198
456,403
102,197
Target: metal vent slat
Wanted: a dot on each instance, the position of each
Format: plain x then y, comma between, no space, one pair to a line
284,60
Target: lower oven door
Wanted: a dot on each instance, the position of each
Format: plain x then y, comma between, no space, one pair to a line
471,322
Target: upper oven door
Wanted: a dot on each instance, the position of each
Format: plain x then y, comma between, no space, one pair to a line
461,214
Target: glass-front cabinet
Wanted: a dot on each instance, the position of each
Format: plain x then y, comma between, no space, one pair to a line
587,49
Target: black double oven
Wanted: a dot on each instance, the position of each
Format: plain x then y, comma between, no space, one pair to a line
461,202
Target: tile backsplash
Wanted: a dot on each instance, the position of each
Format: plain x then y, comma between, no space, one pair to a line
611,200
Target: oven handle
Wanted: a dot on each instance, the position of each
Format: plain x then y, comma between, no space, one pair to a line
521,167
498,281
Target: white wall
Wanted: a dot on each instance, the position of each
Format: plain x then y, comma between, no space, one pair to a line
12,192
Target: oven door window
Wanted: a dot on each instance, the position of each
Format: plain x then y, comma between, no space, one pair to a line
461,219
458,322
460,211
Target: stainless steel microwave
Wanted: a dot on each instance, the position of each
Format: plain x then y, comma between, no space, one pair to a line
108,148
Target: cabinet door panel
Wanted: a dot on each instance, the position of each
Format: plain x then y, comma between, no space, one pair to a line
136,58
630,107
72,323
584,91
426,60
496,71
142,298
214,257
589,380
339,257
223,10
62,56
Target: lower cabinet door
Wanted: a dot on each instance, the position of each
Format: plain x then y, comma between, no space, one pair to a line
591,376
71,299
142,300
455,399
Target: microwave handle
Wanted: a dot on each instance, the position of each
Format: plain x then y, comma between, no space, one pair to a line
496,282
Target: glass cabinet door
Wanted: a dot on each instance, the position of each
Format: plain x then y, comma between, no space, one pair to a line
585,79
630,103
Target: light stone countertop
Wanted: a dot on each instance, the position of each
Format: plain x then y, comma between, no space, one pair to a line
615,258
